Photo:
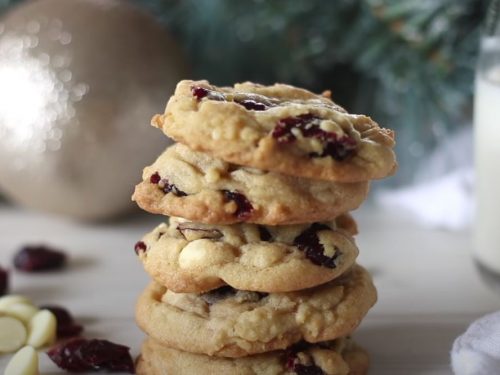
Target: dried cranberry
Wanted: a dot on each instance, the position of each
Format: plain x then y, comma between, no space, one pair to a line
140,247
202,92
282,133
39,258
167,187
199,92
251,104
309,125
244,207
218,294
155,178
293,364
308,242
92,355
339,149
4,281
265,235
66,326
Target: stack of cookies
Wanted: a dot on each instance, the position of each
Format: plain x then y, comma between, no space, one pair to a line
254,272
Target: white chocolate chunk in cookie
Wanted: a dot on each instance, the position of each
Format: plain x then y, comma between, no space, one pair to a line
204,252
262,256
212,175
12,334
326,239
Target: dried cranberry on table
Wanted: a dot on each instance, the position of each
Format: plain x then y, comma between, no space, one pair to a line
80,355
39,258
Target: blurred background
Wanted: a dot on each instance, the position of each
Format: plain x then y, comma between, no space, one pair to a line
80,79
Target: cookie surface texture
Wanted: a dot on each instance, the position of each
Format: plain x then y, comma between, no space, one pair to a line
279,128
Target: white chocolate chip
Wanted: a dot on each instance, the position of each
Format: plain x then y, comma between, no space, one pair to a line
296,132
315,145
24,362
193,254
42,329
326,239
22,311
12,299
205,252
216,134
262,256
330,126
12,334
212,175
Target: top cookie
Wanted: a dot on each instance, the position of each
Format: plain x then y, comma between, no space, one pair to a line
279,128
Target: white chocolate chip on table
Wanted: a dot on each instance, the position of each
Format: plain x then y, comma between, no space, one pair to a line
12,334
24,362
22,311
11,299
42,329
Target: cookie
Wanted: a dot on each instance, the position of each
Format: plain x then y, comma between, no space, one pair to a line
201,188
192,257
339,357
279,128
231,323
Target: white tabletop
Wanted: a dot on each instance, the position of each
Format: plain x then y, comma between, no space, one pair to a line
429,290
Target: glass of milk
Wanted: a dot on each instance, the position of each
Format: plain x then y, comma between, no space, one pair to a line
487,149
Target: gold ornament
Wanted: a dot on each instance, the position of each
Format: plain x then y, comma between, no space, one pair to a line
79,82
